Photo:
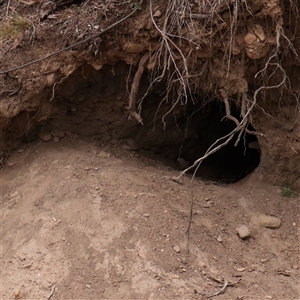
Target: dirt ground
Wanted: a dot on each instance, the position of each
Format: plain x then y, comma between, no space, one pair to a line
83,221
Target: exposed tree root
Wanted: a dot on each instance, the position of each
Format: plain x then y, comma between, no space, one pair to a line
216,146
135,87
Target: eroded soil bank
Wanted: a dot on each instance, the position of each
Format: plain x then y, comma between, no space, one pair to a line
201,56
89,208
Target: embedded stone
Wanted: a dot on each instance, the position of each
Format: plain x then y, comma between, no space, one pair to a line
243,232
267,221
250,38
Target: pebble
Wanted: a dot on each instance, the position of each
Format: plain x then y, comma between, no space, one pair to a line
17,294
243,232
240,269
176,276
178,180
250,38
58,133
146,215
56,139
11,162
104,154
267,221
73,110
176,248
183,163
142,255
131,144
13,195
157,14
219,239
45,137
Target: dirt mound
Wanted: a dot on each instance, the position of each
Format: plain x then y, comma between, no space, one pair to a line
81,221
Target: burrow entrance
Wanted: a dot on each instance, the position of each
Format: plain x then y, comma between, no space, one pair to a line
92,104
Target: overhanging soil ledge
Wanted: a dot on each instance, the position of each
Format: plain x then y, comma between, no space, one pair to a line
200,56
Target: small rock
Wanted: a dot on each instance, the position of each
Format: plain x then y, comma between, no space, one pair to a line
104,154
20,150
146,215
142,254
263,260
133,47
178,180
240,269
131,144
73,110
45,137
176,276
267,221
176,249
13,195
269,297
243,232
11,162
17,294
51,79
183,163
250,38
58,133
157,14
126,147
56,139
88,286
219,239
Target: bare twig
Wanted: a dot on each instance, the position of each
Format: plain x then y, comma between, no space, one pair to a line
51,292
3,160
222,281
222,290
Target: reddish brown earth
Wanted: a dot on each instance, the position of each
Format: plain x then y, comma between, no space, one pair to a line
101,223
93,213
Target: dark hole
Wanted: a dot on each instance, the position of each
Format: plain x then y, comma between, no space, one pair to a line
191,131
230,163
93,104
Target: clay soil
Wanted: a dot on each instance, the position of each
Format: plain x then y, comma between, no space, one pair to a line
106,222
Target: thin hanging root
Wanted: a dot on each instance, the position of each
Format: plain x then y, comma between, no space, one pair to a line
135,87
241,125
